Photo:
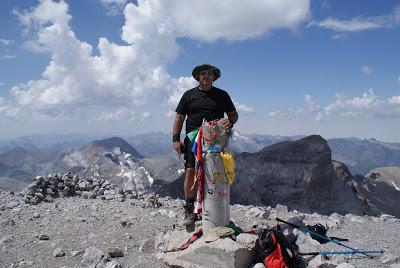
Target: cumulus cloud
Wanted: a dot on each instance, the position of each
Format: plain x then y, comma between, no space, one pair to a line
7,56
367,70
395,100
366,105
113,7
312,105
146,115
241,108
133,73
291,114
6,42
358,24
122,113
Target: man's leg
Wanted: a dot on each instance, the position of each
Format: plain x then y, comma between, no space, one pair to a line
190,217
189,179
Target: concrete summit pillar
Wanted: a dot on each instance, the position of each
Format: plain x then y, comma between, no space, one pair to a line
216,203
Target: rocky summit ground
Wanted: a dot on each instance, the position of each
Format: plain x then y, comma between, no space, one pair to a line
77,232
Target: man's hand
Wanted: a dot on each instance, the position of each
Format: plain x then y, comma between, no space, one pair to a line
178,146
225,123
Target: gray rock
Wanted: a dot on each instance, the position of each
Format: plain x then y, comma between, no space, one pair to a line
115,252
34,200
386,217
12,204
253,213
334,220
82,186
36,215
76,253
58,252
306,243
44,237
92,256
6,239
7,223
26,200
345,265
86,194
17,210
223,252
113,264
390,257
50,191
49,198
40,196
24,263
320,261
247,240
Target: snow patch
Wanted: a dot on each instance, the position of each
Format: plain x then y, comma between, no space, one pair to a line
365,186
395,186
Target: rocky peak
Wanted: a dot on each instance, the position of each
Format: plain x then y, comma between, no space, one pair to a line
115,142
298,174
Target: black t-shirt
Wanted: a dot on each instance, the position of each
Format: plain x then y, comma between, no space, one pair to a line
209,105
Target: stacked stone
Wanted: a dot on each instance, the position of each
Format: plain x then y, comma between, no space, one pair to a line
67,184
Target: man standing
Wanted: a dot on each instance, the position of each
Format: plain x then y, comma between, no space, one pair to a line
202,102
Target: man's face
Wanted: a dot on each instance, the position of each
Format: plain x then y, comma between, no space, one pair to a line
206,77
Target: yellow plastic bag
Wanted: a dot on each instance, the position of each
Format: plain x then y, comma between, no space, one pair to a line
229,166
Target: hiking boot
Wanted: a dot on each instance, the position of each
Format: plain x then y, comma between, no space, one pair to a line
190,217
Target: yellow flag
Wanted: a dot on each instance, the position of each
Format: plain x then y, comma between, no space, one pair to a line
229,166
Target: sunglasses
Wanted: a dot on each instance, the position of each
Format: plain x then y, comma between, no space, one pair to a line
206,72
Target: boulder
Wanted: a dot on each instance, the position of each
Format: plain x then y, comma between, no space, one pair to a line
223,252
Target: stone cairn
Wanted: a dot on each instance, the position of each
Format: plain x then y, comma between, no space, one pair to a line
67,184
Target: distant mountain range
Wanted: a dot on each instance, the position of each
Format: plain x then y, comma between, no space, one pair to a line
28,156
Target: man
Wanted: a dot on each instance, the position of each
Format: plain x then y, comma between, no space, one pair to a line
202,102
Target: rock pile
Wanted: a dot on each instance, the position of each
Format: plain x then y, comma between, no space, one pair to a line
67,184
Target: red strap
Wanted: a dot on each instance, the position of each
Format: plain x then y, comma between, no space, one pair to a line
193,238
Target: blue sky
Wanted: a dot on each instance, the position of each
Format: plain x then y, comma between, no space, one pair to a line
119,67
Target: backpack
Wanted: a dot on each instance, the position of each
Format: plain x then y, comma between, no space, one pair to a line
275,251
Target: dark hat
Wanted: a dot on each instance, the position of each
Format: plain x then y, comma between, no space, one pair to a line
198,69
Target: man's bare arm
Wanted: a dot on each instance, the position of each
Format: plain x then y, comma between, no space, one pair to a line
176,132
233,117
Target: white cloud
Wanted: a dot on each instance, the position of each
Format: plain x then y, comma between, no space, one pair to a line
395,100
114,7
146,115
170,113
358,24
242,108
312,105
354,106
134,73
292,114
6,42
366,105
122,113
367,70
7,56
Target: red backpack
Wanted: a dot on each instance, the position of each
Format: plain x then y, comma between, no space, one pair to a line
275,251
